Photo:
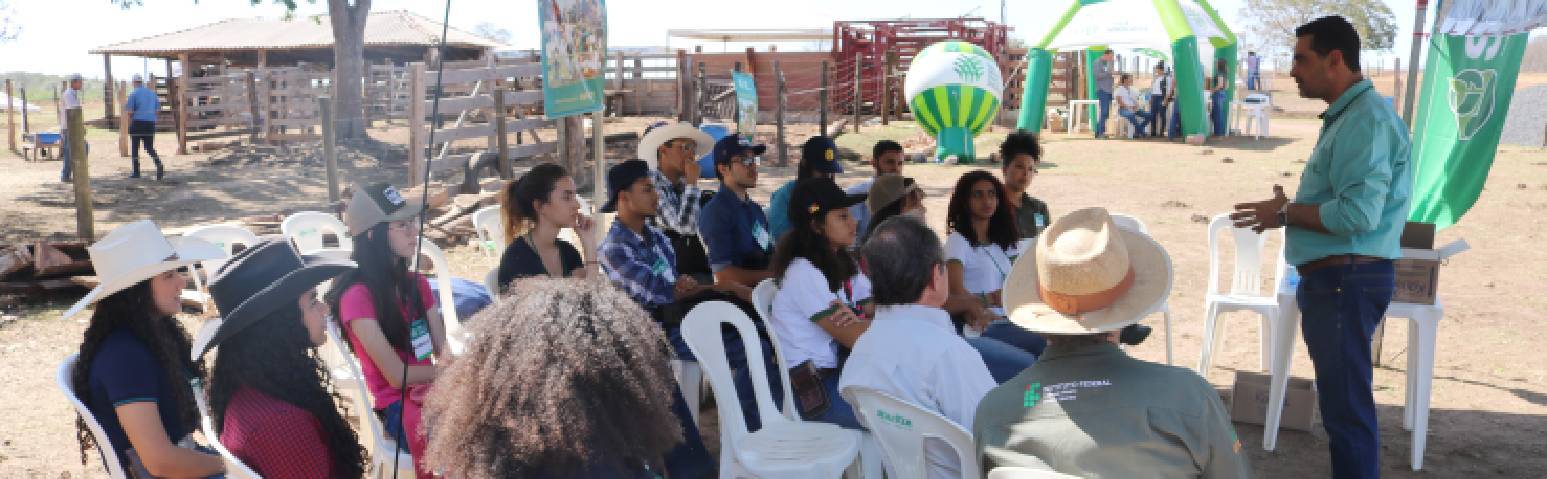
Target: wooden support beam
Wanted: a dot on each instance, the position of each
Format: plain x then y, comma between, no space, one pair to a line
81,176
183,97
263,58
329,152
107,87
255,124
10,117
501,145
123,123
784,150
416,127
822,98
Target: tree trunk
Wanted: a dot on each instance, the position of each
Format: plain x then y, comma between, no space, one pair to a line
349,66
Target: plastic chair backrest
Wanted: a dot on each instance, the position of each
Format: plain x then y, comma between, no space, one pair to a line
1130,223
701,329
491,280
307,227
362,397
762,301
902,427
225,237
234,466
104,446
1026,473
446,299
491,230
1247,278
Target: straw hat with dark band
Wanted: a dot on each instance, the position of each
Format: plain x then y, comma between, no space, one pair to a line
1087,276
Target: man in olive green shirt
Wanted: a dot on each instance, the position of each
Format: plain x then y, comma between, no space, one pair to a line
1341,232
1085,407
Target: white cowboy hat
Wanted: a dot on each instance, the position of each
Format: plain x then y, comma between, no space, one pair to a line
1087,276
136,252
660,133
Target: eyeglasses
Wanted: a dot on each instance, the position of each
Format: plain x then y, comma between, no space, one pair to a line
748,160
687,145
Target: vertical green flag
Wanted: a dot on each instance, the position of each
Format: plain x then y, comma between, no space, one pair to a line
746,102
1467,85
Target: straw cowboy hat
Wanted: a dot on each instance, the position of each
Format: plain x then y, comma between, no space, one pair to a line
1087,276
662,132
136,252
258,281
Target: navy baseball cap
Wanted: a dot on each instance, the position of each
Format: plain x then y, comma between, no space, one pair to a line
620,177
735,144
822,154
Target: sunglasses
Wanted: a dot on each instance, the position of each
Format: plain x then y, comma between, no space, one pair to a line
748,160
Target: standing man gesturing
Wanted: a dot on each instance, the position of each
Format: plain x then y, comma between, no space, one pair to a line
1342,232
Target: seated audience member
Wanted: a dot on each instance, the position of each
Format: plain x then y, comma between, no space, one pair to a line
1086,408
823,297
892,196
271,399
910,350
983,241
1022,156
673,150
818,159
388,314
733,227
564,378
1128,106
887,159
134,363
535,208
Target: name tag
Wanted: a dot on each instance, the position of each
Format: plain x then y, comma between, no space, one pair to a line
764,240
419,336
660,266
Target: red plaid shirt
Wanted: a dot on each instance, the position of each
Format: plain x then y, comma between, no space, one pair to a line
276,439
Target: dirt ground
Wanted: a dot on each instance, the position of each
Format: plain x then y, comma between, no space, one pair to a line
1489,403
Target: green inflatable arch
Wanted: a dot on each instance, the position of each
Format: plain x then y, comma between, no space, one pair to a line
1124,22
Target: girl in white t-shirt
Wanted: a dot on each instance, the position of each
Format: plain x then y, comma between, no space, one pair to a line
823,299
981,245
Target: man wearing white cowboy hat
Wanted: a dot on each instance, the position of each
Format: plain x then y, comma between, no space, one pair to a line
1086,408
672,150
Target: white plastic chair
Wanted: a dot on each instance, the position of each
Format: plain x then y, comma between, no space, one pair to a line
380,446
1255,110
234,467
1026,473
1245,292
491,230
456,337
225,237
762,301
1134,224
782,448
491,280
903,445
104,446
306,228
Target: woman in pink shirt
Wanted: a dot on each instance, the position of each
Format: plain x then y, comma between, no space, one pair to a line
270,395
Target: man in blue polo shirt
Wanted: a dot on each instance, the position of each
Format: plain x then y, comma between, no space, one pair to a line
142,108
733,227
1341,232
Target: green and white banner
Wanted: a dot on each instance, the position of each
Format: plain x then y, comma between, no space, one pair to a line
1469,79
746,102
574,41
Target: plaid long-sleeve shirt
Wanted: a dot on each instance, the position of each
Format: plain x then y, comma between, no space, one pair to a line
642,265
678,211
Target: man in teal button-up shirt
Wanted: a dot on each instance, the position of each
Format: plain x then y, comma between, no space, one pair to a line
1341,233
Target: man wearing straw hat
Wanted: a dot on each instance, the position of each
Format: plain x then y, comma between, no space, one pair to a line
1085,407
672,151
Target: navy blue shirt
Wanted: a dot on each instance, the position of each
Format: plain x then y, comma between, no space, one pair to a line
125,371
735,232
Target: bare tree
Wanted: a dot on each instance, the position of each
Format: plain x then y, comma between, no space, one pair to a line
1271,23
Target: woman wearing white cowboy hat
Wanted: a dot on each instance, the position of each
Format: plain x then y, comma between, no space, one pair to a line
1085,407
269,396
134,362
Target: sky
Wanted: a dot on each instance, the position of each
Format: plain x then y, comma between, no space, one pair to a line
56,34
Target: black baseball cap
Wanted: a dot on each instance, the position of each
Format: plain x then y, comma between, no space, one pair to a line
822,154
814,196
620,177
735,144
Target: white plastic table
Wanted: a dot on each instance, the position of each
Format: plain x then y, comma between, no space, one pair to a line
1074,115
1421,334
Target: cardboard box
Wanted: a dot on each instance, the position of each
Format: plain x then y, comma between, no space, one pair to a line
1249,401
1418,272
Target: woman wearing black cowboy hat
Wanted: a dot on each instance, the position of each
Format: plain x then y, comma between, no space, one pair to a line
270,395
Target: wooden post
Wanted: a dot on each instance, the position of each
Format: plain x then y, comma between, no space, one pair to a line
822,98
599,169
639,76
416,132
123,123
619,71
698,105
784,150
252,109
857,92
1396,84
182,103
26,128
501,145
886,87
81,175
684,79
263,58
107,88
10,116
329,150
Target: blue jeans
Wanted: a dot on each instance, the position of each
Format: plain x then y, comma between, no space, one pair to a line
392,421
1217,113
1003,360
736,354
1340,307
64,154
1008,333
1174,125
1140,121
1253,80
838,412
690,458
1157,115
1104,104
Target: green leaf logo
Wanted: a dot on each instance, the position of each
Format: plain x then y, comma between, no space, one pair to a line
1472,100
1033,394
970,68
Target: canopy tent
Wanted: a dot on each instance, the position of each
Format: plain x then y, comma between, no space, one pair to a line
1144,26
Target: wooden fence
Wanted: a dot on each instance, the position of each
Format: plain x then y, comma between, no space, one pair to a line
501,97
276,104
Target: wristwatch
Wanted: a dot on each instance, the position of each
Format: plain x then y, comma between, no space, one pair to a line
1283,216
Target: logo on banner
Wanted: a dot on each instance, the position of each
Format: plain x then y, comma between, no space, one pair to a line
968,68
1472,100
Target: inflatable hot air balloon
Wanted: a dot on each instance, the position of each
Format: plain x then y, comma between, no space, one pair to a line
953,88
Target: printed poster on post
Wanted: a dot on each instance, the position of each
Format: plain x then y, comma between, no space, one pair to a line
574,48
746,103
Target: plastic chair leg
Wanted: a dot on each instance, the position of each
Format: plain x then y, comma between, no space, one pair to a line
1286,329
1210,329
1425,329
1166,312
1265,336
690,379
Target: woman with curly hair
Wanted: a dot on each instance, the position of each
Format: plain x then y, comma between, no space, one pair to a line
134,364
567,379
272,402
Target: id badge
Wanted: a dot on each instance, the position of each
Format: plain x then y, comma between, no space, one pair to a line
764,240
419,336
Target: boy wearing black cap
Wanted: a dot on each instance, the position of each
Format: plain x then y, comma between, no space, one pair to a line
818,159
733,227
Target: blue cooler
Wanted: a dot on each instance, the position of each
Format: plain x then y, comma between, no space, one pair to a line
716,131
